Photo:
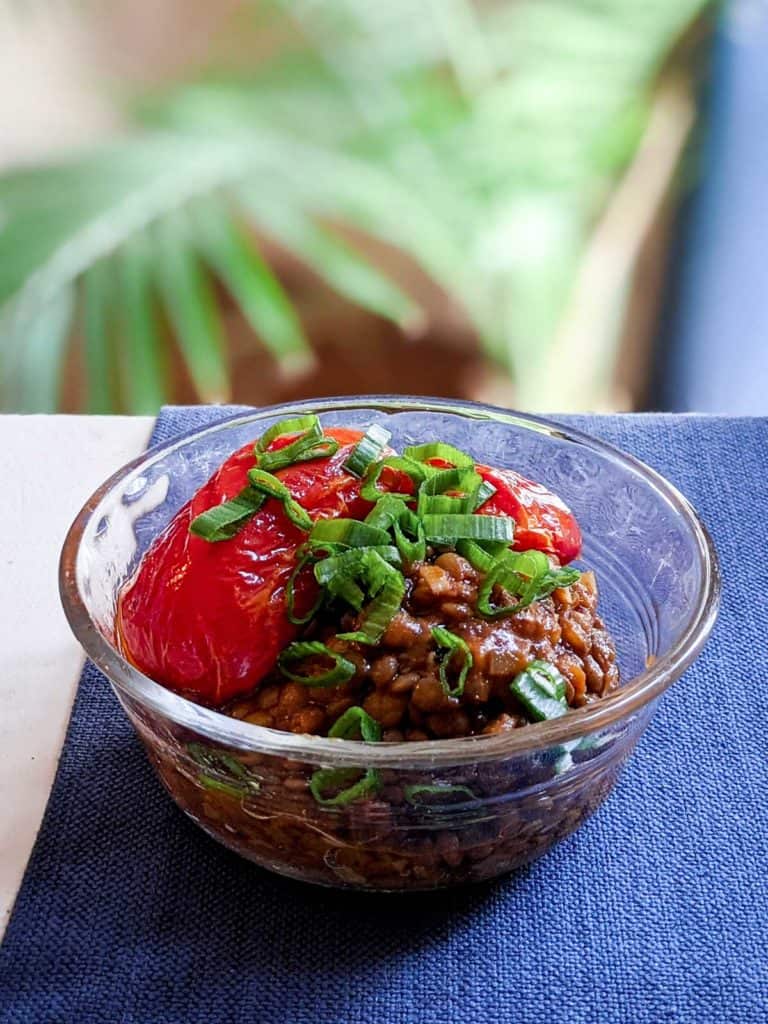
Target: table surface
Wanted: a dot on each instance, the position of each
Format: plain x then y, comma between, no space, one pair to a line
41,660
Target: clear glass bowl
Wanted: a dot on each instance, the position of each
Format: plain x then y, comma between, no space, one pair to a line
448,811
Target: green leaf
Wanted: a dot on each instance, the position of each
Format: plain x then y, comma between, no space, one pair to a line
235,258
34,347
344,269
98,298
189,302
142,355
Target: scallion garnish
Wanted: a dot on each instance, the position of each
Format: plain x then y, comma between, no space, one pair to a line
341,671
304,426
540,688
524,575
485,491
223,521
331,779
414,794
269,485
354,720
358,573
442,452
302,450
448,529
356,723
410,537
476,554
386,586
350,532
449,491
214,763
306,557
415,472
453,645
385,512
368,450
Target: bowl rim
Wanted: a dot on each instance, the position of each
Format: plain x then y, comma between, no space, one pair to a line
644,688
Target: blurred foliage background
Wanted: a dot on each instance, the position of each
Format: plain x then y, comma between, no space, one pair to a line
304,197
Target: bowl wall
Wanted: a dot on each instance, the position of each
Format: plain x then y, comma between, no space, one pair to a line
446,811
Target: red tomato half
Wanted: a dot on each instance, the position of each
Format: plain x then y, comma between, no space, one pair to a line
544,521
208,620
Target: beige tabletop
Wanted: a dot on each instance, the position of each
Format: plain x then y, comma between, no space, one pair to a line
49,465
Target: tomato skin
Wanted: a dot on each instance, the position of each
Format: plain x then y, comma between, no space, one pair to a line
208,619
544,521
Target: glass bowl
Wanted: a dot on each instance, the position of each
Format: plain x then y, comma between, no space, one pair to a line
446,811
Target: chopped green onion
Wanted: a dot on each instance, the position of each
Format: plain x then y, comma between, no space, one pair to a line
409,537
386,511
525,575
439,450
303,450
351,532
305,426
433,499
356,721
341,672
414,793
274,488
368,450
415,471
447,529
453,645
554,579
484,493
332,778
218,762
223,521
230,788
386,586
305,558
477,556
540,688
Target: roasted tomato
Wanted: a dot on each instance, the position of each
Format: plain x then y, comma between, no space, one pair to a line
208,620
544,521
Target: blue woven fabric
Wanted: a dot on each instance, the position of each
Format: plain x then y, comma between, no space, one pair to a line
656,912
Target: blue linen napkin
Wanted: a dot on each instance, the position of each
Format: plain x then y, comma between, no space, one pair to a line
655,912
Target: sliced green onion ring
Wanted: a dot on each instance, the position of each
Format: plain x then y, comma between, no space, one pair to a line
224,521
410,537
353,723
434,499
525,575
453,645
386,586
305,426
485,492
341,672
450,528
306,557
442,451
414,793
368,450
540,688
274,488
415,471
305,449
326,779
350,532
476,555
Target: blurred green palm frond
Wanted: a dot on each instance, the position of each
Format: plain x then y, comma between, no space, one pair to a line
480,139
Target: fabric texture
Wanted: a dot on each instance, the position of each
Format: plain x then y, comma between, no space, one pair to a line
655,912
